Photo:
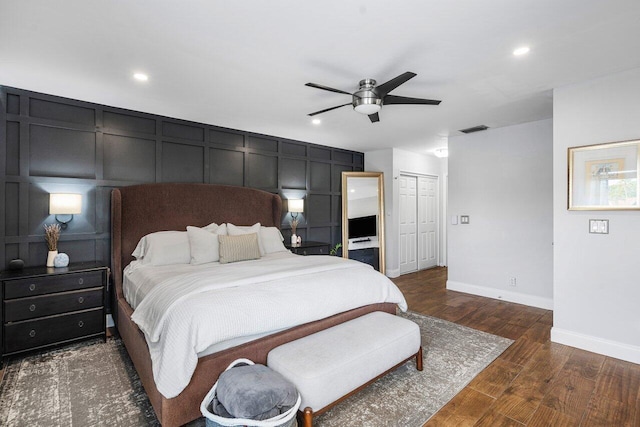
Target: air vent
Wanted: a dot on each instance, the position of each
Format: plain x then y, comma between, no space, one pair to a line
474,129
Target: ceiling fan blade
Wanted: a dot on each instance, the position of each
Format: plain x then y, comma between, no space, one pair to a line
392,99
328,109
387,87
330,89
374,117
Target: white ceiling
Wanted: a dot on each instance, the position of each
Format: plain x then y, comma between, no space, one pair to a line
243,64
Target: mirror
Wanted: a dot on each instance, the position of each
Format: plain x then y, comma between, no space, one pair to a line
363,218
605,176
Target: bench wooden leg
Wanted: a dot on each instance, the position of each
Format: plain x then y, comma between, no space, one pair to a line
307,417
419,359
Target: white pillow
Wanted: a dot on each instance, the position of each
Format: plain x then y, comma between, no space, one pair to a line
138,252
234,230
163,248
204,244
219,229
272,240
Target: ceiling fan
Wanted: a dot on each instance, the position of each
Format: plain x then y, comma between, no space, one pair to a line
370,98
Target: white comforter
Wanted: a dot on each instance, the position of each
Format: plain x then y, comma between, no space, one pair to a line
186,313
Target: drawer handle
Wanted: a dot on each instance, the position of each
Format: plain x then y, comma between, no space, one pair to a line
80,281
32,307
81,323
80,300
32,287
32,333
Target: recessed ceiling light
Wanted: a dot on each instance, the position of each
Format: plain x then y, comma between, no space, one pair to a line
316,121
441,152
521,51
141,77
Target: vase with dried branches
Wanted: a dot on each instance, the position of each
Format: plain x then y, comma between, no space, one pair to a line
51,235
294,237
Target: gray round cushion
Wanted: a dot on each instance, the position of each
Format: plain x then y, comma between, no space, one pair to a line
255,392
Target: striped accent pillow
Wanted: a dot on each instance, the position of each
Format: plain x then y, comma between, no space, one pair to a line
239,248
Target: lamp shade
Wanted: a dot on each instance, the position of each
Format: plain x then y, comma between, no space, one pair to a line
295,205
65,204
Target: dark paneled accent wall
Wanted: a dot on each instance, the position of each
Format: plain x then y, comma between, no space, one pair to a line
52,144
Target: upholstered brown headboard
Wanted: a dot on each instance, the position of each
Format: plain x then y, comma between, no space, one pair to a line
142,209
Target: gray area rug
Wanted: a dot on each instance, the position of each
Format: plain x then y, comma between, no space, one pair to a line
94,384
87,384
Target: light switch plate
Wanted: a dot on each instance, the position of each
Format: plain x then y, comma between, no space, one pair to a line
454,219
599,226
464,219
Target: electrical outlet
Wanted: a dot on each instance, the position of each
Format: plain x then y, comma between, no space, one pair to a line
512,281
464,219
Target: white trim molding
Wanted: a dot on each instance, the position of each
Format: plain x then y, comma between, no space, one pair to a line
615,349
393,273
501,294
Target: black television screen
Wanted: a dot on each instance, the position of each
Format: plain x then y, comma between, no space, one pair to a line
364,226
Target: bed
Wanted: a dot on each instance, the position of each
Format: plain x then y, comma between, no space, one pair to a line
143,209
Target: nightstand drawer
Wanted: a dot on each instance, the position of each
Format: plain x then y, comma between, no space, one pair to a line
314,250
48,330
50,284
310,248
46,305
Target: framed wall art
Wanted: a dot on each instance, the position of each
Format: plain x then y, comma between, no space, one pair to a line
604,176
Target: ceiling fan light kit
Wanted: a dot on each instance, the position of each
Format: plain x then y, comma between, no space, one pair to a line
365,100
369,98
367,106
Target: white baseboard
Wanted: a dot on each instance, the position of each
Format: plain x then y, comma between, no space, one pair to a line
392,273
609,348
501,294
110,323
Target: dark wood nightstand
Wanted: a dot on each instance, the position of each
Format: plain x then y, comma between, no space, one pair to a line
43,307
310,248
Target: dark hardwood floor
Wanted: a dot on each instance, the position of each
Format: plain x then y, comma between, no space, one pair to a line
534,382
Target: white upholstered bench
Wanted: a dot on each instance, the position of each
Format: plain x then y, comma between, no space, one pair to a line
330,365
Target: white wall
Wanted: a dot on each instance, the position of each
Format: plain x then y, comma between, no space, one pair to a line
596,277
393,162
502,178
382,161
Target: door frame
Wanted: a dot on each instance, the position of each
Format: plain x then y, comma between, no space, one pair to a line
438,214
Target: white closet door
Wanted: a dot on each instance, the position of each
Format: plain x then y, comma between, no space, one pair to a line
427,222
408,226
